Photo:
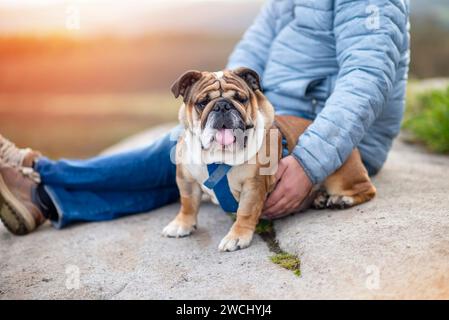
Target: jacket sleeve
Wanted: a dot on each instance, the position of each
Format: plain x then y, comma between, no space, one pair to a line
369,36
252,51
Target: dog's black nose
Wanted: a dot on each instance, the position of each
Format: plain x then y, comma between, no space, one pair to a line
222,105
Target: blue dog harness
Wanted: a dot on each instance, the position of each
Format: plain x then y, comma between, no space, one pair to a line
218,182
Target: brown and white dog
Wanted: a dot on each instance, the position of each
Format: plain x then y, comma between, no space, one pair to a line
227,119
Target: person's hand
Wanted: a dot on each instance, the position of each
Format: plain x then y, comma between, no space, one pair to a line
293,186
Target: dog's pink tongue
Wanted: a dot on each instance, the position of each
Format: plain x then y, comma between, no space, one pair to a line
224,137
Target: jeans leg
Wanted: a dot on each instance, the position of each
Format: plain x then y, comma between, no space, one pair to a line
140,169
74,206
108,187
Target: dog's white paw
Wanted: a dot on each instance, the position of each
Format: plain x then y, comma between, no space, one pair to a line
233,242
340,202
175,229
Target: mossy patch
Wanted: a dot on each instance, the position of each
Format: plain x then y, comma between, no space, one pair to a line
264,226
288,261
283,259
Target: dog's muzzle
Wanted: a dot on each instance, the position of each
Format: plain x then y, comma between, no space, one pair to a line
225,124
225,116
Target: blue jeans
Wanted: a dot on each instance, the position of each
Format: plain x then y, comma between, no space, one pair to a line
108,187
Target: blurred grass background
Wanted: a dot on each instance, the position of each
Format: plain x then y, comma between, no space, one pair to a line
427,117
71,93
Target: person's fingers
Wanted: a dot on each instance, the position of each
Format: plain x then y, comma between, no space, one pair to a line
284,189
289,191
281,170
277,209
293,206
289,208
275,195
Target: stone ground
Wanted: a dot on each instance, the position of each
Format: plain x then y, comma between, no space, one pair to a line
396,246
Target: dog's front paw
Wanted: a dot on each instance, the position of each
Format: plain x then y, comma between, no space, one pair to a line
236,240
177,229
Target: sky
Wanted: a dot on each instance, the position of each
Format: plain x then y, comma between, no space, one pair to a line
37,3
127,17
135,17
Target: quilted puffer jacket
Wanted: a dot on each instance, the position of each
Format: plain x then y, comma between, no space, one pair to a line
343,63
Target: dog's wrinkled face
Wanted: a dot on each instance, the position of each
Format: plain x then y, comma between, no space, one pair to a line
220,106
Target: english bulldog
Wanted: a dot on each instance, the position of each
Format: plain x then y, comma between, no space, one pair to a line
230,147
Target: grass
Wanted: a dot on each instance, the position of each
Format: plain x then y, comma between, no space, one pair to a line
427,119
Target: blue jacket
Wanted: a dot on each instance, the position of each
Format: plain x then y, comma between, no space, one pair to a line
343,63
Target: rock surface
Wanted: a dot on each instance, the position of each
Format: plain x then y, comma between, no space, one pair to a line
396,246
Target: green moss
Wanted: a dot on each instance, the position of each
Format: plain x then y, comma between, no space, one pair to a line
287,261
427,119
283,259
264,226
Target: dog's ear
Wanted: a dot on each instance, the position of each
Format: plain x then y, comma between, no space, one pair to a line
250,77
182,85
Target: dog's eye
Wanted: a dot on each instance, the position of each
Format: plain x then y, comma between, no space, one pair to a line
202,104
241,99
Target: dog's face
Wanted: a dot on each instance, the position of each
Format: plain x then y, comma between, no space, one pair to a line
221,107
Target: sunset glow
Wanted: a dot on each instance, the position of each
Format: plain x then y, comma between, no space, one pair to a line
90,17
